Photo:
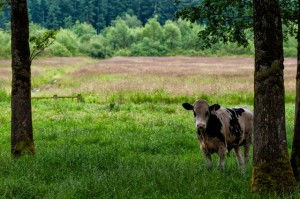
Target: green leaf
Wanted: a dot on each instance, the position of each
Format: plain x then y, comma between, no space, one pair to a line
41,42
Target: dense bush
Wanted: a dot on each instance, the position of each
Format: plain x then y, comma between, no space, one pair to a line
69,40
127,37
97,47
148,47
84,31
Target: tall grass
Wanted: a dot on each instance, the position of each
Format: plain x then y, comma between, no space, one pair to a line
4,96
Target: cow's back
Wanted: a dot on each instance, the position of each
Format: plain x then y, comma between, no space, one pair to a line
237,125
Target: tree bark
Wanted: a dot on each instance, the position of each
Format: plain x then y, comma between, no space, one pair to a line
21,115
295,156
272,170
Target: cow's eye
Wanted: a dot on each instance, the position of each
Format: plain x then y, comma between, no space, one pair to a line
194,113
206,114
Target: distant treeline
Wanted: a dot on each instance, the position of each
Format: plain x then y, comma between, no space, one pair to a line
55,14
104,28
128,37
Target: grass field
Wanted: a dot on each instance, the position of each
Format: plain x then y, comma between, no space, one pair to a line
130,138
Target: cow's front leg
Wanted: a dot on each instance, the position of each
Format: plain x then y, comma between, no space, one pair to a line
208,160
222,153
206,153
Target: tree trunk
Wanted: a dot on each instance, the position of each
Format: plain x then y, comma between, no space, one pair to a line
295,156
21,116
272,170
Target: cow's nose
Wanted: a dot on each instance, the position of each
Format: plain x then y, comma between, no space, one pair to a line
201,126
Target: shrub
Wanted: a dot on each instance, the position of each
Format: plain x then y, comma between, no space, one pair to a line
148,47
97,47
119,35
84,31
153,30
172,35
69,40
57,49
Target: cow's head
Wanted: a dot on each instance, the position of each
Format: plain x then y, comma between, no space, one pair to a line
202,112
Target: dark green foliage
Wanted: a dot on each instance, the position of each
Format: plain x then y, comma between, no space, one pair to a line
1,4
289,9
140,27
54,14
128,37
230,21
225,21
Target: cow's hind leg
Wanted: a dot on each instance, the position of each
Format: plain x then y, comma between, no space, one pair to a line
247,152
239,156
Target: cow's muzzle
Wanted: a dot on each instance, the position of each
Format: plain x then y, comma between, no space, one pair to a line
201,126
200,131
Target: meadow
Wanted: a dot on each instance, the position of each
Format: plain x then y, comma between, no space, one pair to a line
130,137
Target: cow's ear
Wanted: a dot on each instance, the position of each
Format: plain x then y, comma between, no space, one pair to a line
188,106
214,107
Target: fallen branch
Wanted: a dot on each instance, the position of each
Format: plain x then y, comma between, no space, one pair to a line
78,97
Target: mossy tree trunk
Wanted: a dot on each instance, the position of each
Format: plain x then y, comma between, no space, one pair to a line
272,170
295,156
21,115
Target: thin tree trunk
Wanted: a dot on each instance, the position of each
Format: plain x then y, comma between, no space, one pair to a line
272,170
21,116
295,156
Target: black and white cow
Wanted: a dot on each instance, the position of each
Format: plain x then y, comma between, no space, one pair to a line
221,129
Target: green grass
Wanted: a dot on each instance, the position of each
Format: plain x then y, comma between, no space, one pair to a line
4,96
90,150
125,142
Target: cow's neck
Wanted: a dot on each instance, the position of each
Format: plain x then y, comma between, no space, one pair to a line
214,127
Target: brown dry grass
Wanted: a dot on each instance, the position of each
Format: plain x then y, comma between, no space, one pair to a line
176,75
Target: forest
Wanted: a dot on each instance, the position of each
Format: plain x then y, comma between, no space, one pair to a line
120,28
55,14
128,37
